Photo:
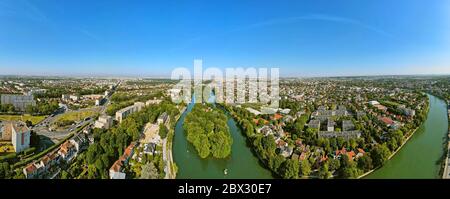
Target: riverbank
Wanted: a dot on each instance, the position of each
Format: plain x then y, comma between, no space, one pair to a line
171,171
392,155
400,147
421,156
446,166
241,164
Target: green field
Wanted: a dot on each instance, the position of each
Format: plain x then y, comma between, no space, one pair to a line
77,115
33,119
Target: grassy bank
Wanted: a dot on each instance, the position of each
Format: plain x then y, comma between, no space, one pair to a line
34,119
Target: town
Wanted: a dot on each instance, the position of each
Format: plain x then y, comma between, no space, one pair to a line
89,128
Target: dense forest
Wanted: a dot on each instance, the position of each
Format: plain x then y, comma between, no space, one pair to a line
207,130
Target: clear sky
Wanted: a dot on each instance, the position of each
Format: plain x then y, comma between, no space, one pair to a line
150,38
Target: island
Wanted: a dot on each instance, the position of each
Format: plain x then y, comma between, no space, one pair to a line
206,128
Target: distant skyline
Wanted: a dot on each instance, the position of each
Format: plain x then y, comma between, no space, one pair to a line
150,38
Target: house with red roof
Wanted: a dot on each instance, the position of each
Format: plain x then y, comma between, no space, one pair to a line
387,121
30,171
67,151
117,169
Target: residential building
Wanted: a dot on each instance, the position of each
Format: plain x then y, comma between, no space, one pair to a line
104,122
380,107
154,101
315,124
373,102
163,118
408,112
116,170
330,125
344,134
74,98
99,101
347,125
30,171
20,102
123,113
80,142
67,151
64,97
20,136
255,112
285,111
387,121
6,131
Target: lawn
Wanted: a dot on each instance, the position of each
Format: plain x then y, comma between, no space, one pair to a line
77,115
33,119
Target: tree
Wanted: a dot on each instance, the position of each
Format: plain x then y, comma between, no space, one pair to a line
276,162
65,175
149,171
220,144
34,139
348,169
350,172
28,123
206,128
380,155
290,169
202,146
305,168
268,143
365,162
334,164
163,131
324,172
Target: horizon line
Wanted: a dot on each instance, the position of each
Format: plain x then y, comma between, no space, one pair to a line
168,77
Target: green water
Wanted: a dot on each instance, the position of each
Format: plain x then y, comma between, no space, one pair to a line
420,156
242,164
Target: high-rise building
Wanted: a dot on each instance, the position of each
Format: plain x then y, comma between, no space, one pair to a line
19,102
123,113
20,136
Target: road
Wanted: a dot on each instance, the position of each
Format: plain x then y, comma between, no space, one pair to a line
42,128
168,159
446,174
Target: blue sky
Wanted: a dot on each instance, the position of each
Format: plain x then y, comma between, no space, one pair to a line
150,38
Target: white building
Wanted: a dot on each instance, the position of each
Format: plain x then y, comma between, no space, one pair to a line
104,122
123,113
373,103
251,110
20,136
163,119
18,101
74,98
64,97
154,101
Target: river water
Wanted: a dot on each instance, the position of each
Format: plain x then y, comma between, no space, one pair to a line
241,164
420,156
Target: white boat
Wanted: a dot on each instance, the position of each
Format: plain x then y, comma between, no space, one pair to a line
225,171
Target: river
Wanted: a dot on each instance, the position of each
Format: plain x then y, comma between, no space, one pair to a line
420,156
241,164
